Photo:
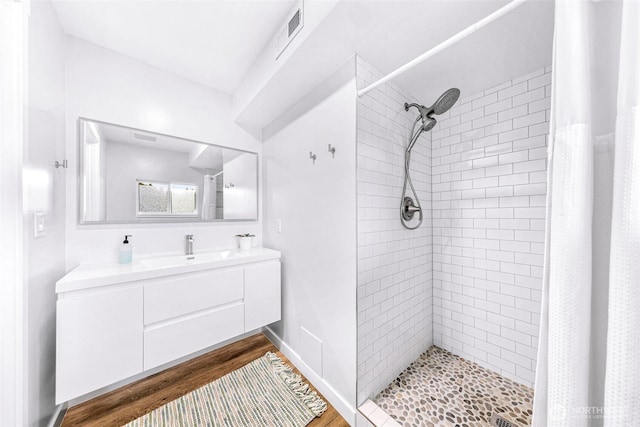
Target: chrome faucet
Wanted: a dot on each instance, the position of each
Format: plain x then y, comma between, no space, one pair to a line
189,250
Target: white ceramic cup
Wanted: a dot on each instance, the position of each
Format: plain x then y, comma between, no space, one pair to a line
245,242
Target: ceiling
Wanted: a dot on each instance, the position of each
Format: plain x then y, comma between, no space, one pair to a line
388,34
215,42
212,42
515,44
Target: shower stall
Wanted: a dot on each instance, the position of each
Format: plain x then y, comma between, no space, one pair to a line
460,274
464,276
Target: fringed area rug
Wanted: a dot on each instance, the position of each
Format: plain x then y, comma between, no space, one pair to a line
265,392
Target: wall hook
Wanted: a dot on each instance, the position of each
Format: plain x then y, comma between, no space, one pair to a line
332,150
64,164
312,157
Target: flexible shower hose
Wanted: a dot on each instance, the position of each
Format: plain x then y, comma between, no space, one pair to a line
407,179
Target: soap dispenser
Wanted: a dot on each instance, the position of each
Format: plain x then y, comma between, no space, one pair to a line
126,251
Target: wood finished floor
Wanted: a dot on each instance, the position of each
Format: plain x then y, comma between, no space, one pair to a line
127,403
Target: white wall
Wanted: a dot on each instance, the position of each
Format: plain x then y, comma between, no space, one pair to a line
106,86
317,207
489,189
44,188
394,264
240,201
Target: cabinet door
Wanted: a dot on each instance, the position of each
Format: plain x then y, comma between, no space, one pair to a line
261,295
99,340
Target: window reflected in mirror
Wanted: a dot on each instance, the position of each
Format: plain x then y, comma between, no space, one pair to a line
162,199
153,198
184,199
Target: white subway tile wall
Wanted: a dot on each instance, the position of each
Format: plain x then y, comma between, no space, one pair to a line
394,264
488,172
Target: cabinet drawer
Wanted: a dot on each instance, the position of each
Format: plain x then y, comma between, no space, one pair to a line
178,295
169,342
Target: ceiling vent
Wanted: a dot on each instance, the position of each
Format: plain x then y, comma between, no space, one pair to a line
290,29
144,137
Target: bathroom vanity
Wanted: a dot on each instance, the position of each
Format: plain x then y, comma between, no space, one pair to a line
117,321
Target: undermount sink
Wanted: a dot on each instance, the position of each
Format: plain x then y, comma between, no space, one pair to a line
179,260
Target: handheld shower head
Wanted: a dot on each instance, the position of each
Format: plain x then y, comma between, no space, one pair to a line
428,123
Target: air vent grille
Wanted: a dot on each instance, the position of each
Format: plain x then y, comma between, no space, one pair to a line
290,28
294,22
144,137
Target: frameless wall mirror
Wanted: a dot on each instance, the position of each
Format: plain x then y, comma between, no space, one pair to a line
130,175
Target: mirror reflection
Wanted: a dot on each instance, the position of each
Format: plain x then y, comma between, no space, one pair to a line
129,175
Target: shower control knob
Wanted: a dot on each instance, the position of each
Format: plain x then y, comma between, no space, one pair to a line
409,209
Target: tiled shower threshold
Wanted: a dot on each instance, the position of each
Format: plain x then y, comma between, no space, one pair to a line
442,389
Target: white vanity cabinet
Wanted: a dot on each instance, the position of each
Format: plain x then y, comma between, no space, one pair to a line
120,321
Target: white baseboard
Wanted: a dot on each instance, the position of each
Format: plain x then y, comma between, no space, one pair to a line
345,409
58,415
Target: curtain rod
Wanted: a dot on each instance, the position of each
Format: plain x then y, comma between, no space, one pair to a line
445,44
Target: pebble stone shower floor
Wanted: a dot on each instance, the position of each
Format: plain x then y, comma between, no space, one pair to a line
442,389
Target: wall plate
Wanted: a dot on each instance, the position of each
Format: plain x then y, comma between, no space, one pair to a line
39,224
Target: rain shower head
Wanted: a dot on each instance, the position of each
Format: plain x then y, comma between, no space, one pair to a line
445,102
441,106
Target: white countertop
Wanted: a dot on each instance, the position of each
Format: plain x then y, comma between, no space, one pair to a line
92,276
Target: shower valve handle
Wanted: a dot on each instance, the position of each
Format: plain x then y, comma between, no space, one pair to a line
409,209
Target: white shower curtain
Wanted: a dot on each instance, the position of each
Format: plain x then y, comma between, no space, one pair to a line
588,370
209,197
